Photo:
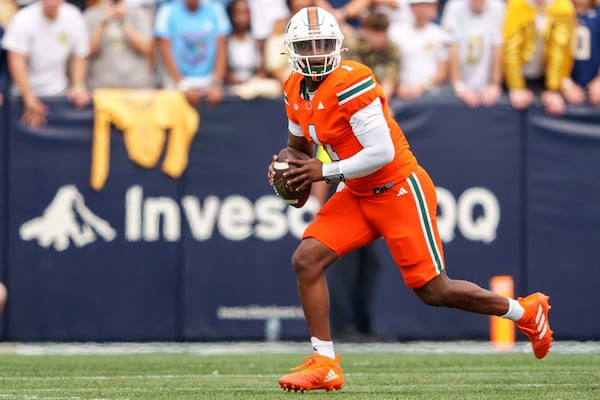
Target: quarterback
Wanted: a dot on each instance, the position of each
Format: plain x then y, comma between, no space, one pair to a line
382,192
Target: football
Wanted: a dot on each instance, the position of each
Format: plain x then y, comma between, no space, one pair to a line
281,186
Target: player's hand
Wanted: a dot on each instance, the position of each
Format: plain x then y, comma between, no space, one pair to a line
553,102
271,171
520,99
307,172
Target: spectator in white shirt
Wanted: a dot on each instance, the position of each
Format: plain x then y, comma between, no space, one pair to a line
264,14
47,44
423,51
476,50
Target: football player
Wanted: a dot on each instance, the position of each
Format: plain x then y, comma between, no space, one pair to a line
382,192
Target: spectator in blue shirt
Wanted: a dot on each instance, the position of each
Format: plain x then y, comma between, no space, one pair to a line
192,42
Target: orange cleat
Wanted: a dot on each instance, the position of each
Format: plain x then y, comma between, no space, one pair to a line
534,323
317,372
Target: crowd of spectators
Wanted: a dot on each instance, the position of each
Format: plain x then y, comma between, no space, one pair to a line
208,49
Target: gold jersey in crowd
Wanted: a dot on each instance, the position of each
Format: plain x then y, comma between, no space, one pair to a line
144,116
521,37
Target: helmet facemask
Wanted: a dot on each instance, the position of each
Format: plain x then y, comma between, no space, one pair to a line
317,57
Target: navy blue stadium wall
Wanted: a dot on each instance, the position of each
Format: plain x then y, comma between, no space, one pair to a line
206,256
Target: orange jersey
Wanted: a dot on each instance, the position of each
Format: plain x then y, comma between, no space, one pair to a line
325,120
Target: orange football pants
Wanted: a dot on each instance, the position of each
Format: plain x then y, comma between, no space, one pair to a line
404,215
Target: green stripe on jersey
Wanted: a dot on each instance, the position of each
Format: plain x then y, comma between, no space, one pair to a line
426,223
355,90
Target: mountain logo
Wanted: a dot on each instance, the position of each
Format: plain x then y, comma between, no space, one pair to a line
67,219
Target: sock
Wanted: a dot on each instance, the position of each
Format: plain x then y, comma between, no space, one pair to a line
323,347
515,310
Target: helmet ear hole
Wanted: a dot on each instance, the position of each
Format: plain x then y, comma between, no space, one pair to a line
314,42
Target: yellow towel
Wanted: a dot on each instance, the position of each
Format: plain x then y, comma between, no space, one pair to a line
144,116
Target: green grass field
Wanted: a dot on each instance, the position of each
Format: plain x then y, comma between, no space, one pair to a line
369,375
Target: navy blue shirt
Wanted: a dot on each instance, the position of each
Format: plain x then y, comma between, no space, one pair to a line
587,50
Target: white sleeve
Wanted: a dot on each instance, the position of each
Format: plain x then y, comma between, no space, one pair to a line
294,128
449,18
161,21
371,130
499,13
17,36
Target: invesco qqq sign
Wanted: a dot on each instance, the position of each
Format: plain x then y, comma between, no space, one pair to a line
67,219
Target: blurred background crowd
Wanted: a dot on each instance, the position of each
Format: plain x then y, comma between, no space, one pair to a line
208,49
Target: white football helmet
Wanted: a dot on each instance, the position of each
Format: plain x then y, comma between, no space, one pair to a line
314,42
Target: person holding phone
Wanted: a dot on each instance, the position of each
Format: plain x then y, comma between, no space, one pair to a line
121,46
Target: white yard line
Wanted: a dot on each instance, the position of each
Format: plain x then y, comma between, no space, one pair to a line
112,348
